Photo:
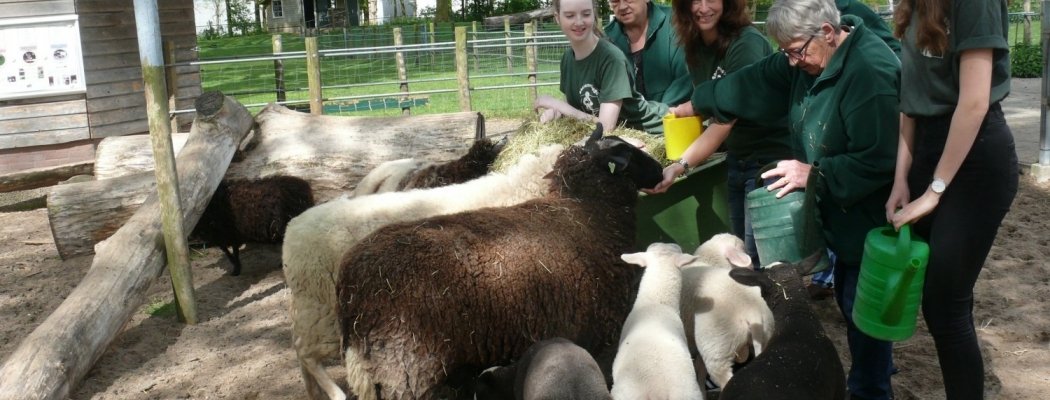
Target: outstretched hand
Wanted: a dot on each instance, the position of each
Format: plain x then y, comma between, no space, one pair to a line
671,172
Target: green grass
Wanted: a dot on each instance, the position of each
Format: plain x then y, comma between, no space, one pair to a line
160,308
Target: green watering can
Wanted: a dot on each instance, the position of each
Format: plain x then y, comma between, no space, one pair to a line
889,290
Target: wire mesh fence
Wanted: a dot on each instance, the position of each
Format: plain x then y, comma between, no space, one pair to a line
389,70
393,70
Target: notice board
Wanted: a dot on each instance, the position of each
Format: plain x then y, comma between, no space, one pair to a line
40,56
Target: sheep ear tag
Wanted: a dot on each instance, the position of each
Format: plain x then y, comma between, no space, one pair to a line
612,168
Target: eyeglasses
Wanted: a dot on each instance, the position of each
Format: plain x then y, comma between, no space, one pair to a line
798,54
616,3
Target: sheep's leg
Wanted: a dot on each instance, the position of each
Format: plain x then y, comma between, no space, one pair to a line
234,257
318,384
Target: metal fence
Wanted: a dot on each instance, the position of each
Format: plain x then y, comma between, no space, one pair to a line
394,70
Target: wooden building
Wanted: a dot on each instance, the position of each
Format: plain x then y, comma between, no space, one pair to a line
45,130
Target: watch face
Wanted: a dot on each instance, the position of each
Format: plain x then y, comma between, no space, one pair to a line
937,186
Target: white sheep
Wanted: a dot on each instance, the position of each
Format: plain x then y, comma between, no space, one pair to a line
551,369
316,240
721,316
653,360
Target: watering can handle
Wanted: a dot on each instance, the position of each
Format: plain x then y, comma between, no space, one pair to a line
898,285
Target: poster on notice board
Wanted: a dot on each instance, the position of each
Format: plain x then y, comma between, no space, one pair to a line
40,57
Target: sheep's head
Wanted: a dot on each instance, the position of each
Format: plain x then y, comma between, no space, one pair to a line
601,165
778,281
723,249
660,252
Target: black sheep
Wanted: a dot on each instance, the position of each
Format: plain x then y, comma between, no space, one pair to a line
252,211
799,362
474,164
423,301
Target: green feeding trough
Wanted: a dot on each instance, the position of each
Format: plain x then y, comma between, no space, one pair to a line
691,211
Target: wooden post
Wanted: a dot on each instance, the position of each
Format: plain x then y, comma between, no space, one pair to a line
171,77
1044,120
278,69
1027,21
530,58
313,75
510,52
433,41
402,70
177,249
474,30
462,73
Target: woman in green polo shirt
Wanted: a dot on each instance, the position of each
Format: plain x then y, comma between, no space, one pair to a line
956,164
837,84
718,38
596,77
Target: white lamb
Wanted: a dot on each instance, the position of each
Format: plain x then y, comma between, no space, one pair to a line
653,360
721,316
316,240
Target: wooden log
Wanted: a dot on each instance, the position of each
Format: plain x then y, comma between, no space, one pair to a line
58,354
41,177
332,153
496,23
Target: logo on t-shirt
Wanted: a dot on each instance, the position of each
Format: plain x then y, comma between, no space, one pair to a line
719,73
589,98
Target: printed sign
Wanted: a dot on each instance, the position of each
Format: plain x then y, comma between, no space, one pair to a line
40,57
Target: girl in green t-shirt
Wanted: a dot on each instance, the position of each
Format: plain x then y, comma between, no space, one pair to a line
596,77
956,163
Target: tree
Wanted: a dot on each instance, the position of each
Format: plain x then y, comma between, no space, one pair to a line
444,11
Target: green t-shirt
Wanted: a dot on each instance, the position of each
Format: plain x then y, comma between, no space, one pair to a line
930,83
872,21
843,122
662,69
749,140
605,76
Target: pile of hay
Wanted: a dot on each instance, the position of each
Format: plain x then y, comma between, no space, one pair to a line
532,135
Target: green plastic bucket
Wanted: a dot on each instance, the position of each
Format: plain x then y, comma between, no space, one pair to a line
784,229
889,289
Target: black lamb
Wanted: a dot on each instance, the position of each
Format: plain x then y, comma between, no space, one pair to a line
423,301
252,211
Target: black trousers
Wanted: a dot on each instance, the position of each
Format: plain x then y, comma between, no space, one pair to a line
960,232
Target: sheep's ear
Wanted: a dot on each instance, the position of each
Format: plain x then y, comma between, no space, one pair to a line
738,258
682,260
620,154
806,266
746,276
634,258
592,141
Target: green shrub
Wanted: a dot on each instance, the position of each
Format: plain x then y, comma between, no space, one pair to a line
1026,61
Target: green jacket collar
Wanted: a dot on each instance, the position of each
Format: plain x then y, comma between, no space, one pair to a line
838,60
658,17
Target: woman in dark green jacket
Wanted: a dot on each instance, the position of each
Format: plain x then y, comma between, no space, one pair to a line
642,31
837,83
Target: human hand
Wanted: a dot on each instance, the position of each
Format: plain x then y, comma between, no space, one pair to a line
549,115
793,175
545,102
916,209
899,197
671,172
683,110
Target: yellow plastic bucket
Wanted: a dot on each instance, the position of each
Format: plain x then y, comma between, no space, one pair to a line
679,133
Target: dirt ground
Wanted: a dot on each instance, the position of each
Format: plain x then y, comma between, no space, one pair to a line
241,349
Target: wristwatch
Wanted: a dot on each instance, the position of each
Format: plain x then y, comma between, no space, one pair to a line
938,185
684,164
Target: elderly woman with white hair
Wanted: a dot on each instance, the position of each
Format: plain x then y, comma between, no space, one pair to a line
837,83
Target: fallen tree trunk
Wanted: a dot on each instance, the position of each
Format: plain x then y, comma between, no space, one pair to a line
496,23
42,177
59,353
331,153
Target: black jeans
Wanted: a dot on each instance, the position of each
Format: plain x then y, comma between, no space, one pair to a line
960,232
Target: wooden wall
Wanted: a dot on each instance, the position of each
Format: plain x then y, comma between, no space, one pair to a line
114,103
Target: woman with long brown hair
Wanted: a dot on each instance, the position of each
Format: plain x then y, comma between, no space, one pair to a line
956,172
718,38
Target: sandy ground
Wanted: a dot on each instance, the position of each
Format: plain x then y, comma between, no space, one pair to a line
241,349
